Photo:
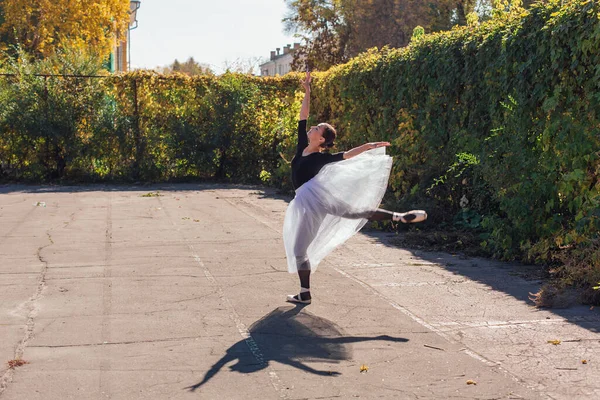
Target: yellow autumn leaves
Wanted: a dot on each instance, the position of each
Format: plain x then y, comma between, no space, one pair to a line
41,27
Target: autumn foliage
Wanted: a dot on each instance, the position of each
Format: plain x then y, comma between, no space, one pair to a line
41,27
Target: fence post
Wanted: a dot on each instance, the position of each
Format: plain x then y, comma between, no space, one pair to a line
46,159
139,148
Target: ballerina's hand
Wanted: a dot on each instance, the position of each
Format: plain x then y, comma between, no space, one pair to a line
375,145
306,81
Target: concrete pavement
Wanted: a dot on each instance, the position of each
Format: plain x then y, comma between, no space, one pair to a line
107,294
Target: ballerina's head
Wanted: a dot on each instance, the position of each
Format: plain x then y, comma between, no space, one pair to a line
322,134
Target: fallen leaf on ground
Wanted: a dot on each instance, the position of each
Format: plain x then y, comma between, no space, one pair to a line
16,363
554,342
151,194
433,347
364,368
584,361
470,382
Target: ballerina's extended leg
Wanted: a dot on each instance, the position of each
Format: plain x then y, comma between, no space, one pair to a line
380,214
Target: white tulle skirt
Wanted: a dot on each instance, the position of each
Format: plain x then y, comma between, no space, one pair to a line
333,206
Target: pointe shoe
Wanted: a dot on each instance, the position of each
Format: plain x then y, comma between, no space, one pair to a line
410,217
297,299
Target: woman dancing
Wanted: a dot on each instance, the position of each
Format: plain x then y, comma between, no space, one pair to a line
336,194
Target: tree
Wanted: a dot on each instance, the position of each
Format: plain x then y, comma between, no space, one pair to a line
323,27
3,36
378,23
41,27
333,31
486,8
463,8
248,66
190,67
176,66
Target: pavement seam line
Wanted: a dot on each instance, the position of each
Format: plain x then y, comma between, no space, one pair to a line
233,315
31,305
105,360
167,340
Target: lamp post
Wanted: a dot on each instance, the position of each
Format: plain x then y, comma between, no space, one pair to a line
134,5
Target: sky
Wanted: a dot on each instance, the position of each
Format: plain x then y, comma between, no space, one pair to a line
214,32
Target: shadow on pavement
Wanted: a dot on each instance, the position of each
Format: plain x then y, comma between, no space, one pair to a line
514,279
290,336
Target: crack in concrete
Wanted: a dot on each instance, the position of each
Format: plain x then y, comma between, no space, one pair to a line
18,273
126,277
418,284
32,306
195,298
6,285
253,274
167,340
71,219
66,317
456,327
83,266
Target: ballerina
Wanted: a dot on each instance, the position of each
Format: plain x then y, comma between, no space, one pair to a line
336,194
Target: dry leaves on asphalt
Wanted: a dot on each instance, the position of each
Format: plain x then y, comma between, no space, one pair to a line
364,368
554,342
470,382
16,363
151,194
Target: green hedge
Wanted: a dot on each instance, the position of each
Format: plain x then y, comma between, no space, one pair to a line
513,104
143,127
495,129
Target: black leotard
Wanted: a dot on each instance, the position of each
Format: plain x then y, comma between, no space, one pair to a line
304,168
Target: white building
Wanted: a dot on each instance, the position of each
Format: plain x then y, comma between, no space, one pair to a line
120,56
280,63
